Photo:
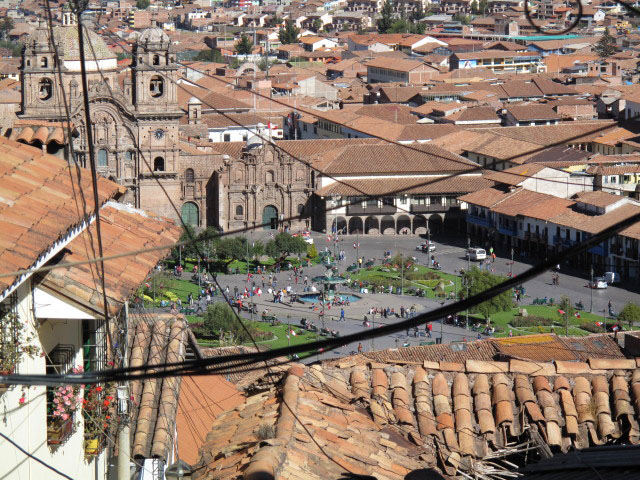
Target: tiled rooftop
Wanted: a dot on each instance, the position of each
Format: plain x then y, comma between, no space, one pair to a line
38,203
155,339
457,184
390,419
122,229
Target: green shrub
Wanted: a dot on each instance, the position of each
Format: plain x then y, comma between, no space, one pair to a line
531,321
592,327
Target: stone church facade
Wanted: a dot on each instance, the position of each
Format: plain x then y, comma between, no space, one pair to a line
135,124
140,134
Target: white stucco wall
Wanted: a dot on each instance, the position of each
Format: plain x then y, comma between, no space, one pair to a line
27,425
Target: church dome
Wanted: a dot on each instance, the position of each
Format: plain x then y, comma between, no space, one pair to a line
67,41
66,38
194,101
254,142
153,35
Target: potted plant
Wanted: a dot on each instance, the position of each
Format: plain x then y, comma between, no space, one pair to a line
14,343
65,401
96,414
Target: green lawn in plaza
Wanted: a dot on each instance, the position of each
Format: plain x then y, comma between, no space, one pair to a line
502,320
412,278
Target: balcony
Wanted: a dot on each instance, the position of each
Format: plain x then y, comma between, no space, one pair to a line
431,208
485,222
369,210
535,237
509,231
562,241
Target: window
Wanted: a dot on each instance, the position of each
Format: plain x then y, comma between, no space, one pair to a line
44,62
156,86
300,208
403,200
239,211
158,164
226,137
156,59
269,177
102,158
45,89
189,175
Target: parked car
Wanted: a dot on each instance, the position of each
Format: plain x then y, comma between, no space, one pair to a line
599,282
423,247
476,254
611,277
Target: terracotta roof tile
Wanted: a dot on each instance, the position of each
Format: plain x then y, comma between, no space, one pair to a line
38,206
123,229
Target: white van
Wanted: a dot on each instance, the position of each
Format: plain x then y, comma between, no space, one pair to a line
476,254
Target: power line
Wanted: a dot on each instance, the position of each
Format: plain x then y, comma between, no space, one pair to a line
30,455
195,367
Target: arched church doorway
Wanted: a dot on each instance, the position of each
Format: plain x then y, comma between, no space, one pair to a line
268,215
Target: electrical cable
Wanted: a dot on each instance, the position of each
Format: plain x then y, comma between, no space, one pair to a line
30,455
180,368
520,277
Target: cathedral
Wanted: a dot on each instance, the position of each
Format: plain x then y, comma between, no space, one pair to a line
140,134
134,120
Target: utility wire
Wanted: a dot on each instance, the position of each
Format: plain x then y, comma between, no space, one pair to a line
30,455
195,367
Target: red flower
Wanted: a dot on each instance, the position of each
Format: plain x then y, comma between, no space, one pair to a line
110,364
98,389
106,403
22,400
109,397
108,417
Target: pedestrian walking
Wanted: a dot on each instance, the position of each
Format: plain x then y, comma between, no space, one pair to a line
510,333
429,328
342,315
359,347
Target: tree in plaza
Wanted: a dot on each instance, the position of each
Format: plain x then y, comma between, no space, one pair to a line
289,33
244,46
285,244
188,250
228,249
317,25
606,46
312,251
630,314
386,19
474,7
143,4
220,321
481,281
565,311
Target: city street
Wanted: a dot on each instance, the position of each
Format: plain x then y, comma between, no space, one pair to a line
449,255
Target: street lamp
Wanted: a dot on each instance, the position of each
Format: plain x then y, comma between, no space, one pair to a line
591,290
178,471
511,266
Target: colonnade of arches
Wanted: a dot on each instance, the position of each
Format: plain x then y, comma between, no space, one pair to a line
387,224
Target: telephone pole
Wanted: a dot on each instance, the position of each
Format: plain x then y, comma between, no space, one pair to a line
124,436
